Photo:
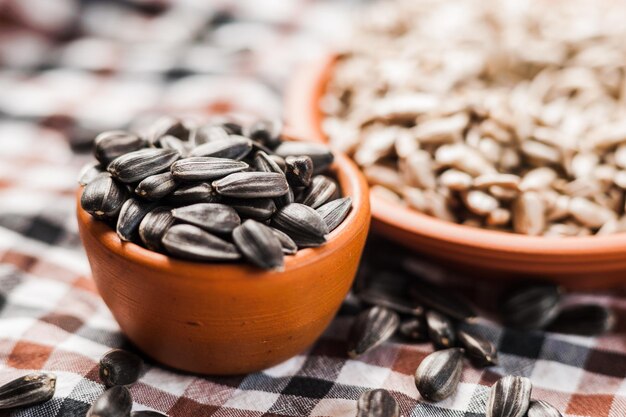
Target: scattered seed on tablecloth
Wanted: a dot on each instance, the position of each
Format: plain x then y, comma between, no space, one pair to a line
157,186
478,349
114,402
120,367
147,413
259,245
371,328
377,403
414,329
154,225
441,330
442,300
109,145
200,168
132,213
539,408
335,212
583,319
509,397
530,305
438,375
137,165
191,242
103,197
28,390
375,296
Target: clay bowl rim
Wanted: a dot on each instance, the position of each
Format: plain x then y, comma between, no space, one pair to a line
305,117
352,183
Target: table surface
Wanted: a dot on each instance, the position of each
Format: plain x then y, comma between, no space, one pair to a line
76,68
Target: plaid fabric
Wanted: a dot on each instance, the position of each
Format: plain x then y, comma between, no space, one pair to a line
71,68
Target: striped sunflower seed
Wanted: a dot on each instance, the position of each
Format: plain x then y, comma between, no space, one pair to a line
260,209
252,185
414,330
103,197
155,187
168,125
192,194
301,223
199,168
478,349
321,190
173,143
371,328
153,227
265,163
509,397
320,154
530,305
259,245
285,200
191,242
132,213
440,330
335,212
213,217
207,133
119,367
583,320
137,165
266,132
299,170
438,375
112,144
114,402
288,245
377,403
375,296
28,390
540,408
89,172
234,147
147,413
441,300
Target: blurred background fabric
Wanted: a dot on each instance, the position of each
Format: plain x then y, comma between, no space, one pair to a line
69,69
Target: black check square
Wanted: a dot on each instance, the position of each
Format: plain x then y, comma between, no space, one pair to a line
308,387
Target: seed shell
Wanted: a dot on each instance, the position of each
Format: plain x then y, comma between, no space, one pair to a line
233,147
267,132
288,245
321,190
299,170
146,413
112,144
440,330
192,194
114,402
478,349
168,125
137,165
265,163
213,217
377,403
335,212
394,302
320,154
191,242
207,133
371,328
28,390
153,227
132,213
173,143
200,168
414,330
259,245
285,200
119,367
438,375
509,397
441,300
252,185
259,209
540,408
103,197
156,186
89,172
301,223
530,306
583,320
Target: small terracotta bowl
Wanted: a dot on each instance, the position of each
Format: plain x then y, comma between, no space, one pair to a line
577,262
225,319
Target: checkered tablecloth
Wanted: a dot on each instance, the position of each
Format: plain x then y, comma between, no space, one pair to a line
70,68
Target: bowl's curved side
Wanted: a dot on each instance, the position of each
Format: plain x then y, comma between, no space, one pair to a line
579,262
221,318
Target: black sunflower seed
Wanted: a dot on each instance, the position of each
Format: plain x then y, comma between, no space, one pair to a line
375,296
440,330
119,367
193,193
438,375
207,133
322,189
478,349
371,328
137,165
252,185
253,208
112,144
191,242
441,300
173,143
89,172
266,132
264,163
530,305
168,125
299,170
234,147
232,127
377,403
132,213
583,320
213,217
335,212
285,200
509,397
259,245
103,197
155,187
287,243
320,154
146,413
414,329
114,402
153,227
301,223
28,390
540,408
200,168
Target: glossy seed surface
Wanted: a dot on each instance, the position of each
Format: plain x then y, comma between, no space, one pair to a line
583,320
530,306
155,187
154,225
539,408
335,212
414,329
190,242
252,185
213,217
173,143
109,145
264,163
103,197
89,172
377,403
478,349
299,170
193,193
289,247
137,165
441,330
259,245
438,375
119,367
303,224
320,154
371,328
233,147
266,132
28,390
260,209
114,402
200,168
146,413
322,189
394,302
509,397
132,213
